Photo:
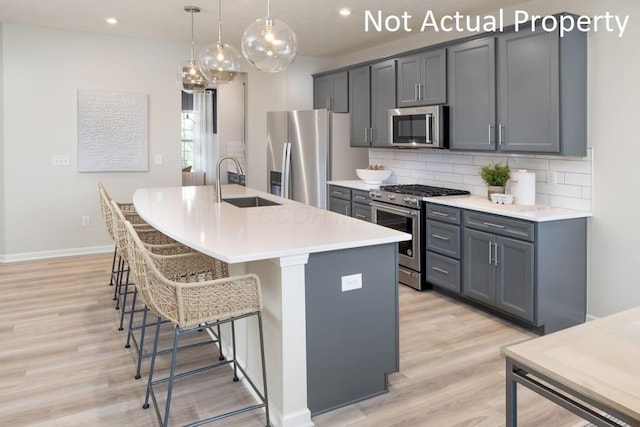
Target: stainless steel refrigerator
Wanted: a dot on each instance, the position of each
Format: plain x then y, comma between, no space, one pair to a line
307,148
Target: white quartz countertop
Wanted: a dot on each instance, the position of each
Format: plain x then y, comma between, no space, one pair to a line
536,213
191,216
356,184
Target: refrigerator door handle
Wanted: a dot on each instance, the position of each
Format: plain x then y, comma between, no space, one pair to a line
286,170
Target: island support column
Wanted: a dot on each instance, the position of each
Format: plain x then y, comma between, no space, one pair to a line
283,293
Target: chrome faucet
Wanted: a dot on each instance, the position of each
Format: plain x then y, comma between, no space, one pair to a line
238,170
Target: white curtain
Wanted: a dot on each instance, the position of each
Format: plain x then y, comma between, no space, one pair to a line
205,147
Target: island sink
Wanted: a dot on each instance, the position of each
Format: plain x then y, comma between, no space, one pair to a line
250,202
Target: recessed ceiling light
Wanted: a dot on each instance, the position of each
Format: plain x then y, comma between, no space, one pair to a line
344,11
112,21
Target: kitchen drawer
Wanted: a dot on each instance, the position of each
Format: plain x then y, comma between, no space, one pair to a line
518,229
443,272
443,213
340,206
361,211
360,196
340,192
443,238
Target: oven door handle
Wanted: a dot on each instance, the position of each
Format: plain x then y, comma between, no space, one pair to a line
390,209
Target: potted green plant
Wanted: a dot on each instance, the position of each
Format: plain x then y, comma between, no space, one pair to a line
496,177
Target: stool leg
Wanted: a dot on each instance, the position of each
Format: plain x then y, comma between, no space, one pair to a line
220,344
176,336
141,343
133,310
264,369
113,265
117,282
153,362
233,341
124,299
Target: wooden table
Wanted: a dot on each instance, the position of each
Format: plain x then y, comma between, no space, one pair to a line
593,370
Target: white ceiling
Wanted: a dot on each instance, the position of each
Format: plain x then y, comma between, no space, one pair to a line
321,31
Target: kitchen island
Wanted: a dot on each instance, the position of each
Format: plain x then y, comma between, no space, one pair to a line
329,286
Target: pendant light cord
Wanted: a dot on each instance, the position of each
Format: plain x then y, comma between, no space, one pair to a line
220,22
268,8
192,44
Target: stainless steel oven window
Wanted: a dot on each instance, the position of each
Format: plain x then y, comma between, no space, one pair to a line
405,220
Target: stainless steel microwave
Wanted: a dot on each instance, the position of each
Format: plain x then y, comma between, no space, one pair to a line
419,127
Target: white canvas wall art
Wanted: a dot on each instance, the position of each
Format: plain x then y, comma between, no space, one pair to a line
112,131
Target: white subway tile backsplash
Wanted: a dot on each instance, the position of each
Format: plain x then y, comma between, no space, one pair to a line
577,179
560,181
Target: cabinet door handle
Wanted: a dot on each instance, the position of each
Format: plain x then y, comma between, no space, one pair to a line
440,214
370,135
490,224
490,251
440,270
500,127
490,127
366,135
360,216
495,258
420,95
437,236
415,93
329,103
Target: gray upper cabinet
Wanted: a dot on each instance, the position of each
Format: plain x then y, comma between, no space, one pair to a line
360,105
371,95
472,95
536,83
422,78
528,92
331,91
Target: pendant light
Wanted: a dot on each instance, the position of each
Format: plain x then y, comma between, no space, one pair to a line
219,62
269,44
190,78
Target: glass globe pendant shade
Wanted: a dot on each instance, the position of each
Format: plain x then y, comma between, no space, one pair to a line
269,44
190,78
219,62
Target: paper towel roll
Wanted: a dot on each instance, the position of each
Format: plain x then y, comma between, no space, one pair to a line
523,187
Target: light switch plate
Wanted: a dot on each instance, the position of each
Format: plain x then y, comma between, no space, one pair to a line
60,160
158,159
351,282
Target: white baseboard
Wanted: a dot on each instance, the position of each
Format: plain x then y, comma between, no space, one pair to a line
30,256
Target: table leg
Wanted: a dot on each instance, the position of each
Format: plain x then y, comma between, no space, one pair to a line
511,396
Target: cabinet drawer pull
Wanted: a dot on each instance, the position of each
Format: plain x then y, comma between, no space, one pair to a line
337,193
361,216
437,236
436,213
490,224
440,270
360,198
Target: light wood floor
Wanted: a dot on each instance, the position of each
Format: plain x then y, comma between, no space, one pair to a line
63,361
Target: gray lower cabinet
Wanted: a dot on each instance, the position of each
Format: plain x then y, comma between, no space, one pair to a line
331,91
372,92
422,78
534,272
499,272
444,248
350,202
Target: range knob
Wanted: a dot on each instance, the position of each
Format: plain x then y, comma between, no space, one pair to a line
410,200
375,194
392,197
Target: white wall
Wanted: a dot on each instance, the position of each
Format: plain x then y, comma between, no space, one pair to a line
613,89
231,123
43,70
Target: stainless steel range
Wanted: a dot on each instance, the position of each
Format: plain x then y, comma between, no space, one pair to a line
402,208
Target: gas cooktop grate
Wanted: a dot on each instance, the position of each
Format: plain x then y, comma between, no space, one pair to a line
422,190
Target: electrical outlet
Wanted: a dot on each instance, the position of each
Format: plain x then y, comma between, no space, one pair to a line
158,159
60,160
351,282
86,221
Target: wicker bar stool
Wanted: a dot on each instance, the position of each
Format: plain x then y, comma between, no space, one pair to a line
189,264
189,305
148,235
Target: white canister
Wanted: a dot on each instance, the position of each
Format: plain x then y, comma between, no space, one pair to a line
523,187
